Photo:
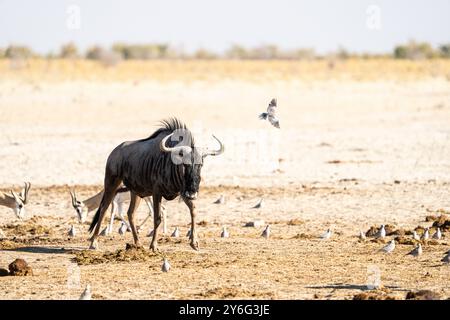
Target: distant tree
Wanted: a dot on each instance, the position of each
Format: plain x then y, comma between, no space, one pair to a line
18,52
68,51
445,51
304,54
237,52
204,54
142,52
414,51
265,52
2,53
342,54
108,58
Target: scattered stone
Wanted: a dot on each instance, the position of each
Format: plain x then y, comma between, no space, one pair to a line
4,272
423,295
295,222
255,224
374,295
20,267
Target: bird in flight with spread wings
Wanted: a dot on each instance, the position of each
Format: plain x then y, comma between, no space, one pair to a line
270,114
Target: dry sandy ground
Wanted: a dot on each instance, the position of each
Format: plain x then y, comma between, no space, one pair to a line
343,143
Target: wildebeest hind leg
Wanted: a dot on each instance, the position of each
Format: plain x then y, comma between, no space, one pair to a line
134,204
111,186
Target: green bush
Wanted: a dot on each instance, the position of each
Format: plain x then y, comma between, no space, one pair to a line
18,52
68,51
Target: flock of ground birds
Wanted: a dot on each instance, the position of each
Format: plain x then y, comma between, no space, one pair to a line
17,202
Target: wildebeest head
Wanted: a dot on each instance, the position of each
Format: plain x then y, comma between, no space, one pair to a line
185,153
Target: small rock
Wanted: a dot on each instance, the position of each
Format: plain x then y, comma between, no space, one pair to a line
423,295
19,267
4,272
255,224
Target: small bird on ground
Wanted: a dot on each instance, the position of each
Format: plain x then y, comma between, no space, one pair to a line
260,204
188,233
389,247
417,251
446,259
86,295
437,235
426,234
326,235
381,234
362,235
165,266
266,232
270,114
123,228
176,233
416,236
225,233
221,200
72,231
150,233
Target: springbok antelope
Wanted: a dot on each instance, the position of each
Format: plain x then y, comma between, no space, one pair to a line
82,208
16,201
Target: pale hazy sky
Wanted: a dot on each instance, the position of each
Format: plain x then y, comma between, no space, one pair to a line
321,24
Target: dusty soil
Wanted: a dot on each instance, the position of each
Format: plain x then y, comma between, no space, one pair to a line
352,153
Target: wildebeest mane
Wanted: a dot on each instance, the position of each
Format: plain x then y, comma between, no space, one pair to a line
169,126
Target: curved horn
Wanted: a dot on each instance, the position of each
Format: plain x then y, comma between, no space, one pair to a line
215,152
24,193
163,147
16,197
74,197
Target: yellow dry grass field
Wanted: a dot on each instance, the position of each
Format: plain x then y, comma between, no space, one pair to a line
362,143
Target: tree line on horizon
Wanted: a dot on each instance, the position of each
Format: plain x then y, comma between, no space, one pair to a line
121,51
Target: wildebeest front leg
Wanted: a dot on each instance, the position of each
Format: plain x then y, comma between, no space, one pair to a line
156,221
134,204
193,236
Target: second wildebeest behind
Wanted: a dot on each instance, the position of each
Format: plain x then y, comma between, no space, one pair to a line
165,165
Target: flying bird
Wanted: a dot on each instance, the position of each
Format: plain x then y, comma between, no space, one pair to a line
72,231
416,236
426,234
437,235
221,200
165,266
326,235
381,234
417,251
266,232
225,233
86,295
176,233
123,228
389,247
260,204
270,115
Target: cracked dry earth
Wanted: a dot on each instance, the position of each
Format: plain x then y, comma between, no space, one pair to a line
292,264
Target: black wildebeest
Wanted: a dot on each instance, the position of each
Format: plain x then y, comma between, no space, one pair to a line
166,164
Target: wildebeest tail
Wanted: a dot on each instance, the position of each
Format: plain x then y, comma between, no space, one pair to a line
96,217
